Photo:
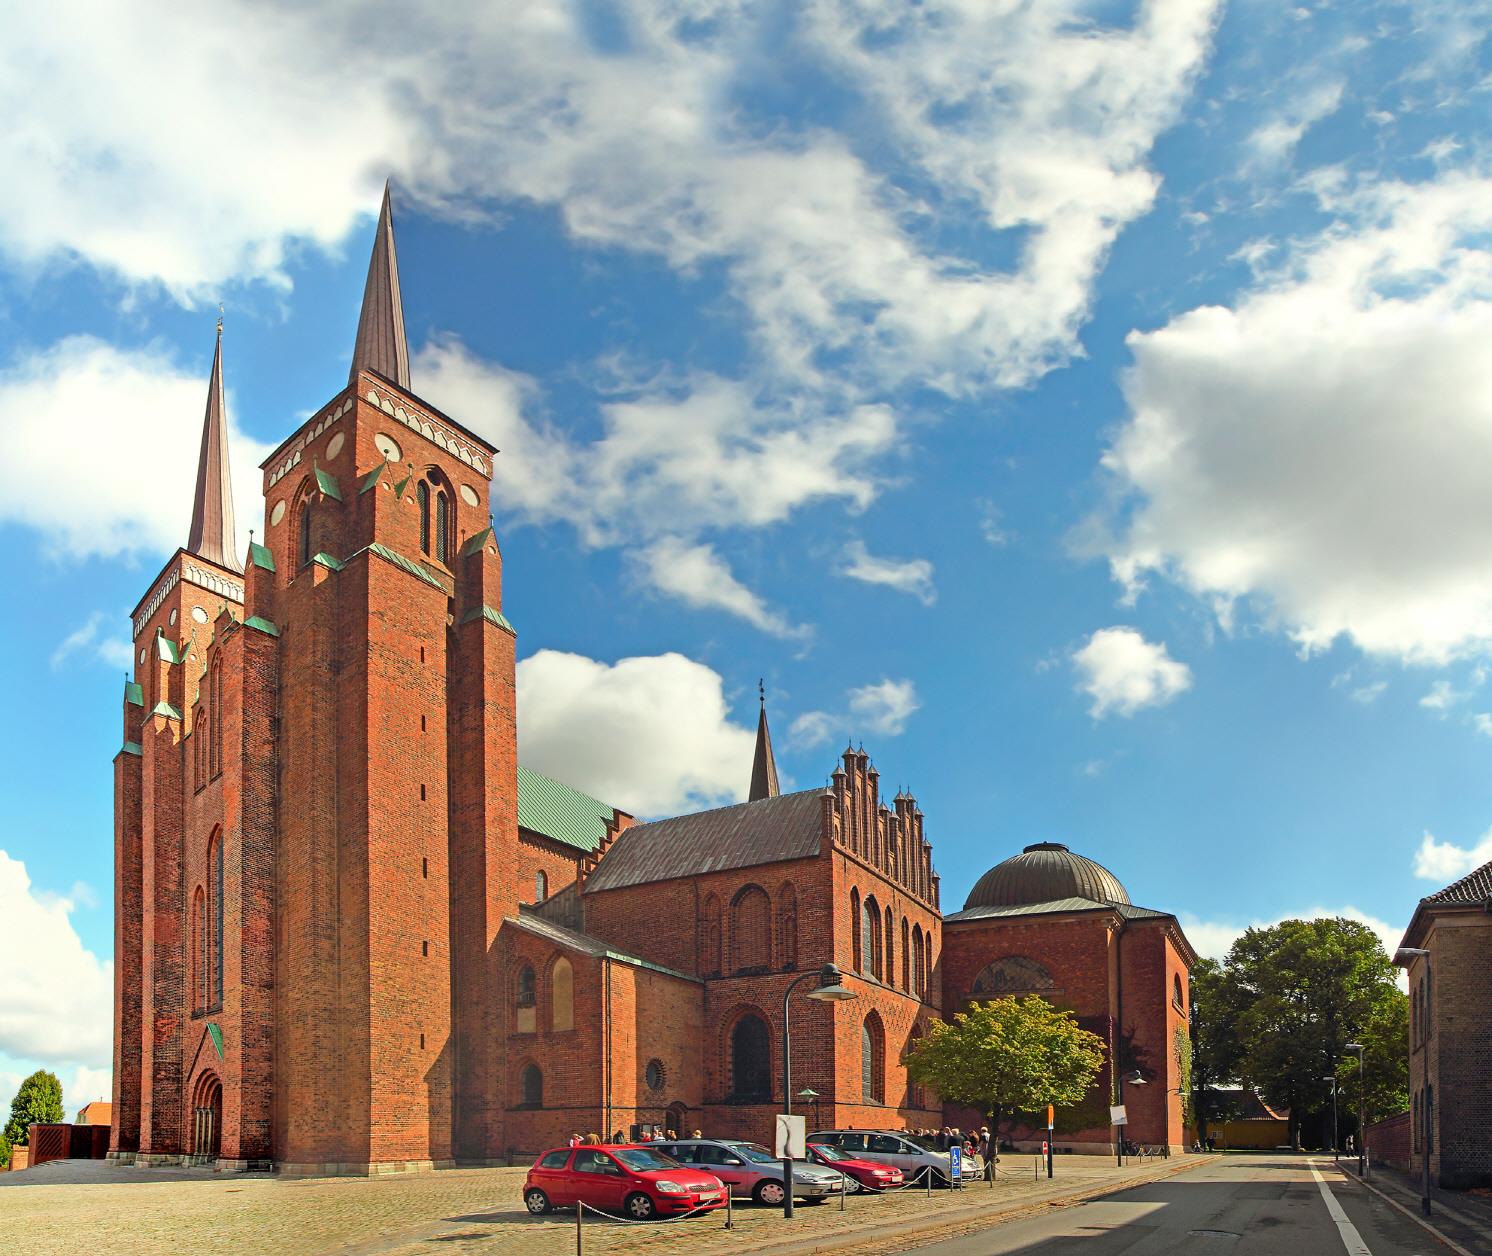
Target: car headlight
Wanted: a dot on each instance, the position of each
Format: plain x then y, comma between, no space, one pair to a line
671,1188
882,1172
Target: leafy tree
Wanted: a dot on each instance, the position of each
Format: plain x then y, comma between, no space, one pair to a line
1214,1042
4,1152
1385,1039
1008,1056
1293,995
37,1102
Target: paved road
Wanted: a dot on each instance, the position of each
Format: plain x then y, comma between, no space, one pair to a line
1254,1206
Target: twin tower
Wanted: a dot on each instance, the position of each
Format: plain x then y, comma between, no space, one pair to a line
316,799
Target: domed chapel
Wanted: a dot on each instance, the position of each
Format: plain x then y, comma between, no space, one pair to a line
354,934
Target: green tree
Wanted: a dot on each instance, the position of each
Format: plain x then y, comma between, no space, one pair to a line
1216,1051
1008,1056
37,1102
1294,995
4,1152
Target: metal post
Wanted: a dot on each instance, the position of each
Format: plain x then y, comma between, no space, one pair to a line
730,1220
1362,1115
579,1230
1424,1094
787,1088
1336,1142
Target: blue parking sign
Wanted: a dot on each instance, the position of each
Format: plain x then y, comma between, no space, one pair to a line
955,1163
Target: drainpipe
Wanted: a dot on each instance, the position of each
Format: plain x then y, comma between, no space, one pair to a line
607,1128
1117,1072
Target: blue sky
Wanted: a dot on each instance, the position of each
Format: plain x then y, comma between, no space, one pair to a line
1086,406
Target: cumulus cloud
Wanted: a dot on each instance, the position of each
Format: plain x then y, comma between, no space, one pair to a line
90,639
1212,938
1122,672
1274,140
699,577
56,996
910,575
650,735
881,708
812,728
94,424
1445,861
1316,450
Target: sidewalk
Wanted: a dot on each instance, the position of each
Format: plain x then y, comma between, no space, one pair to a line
1462,1218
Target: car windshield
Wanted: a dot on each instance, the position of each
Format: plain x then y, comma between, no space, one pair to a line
644,1158
828,1153
754,1152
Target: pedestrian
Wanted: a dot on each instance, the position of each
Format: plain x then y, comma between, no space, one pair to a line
698,1134
593,1140
942,1139
574,1140
618,1137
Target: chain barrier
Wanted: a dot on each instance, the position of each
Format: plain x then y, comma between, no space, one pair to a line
581,1208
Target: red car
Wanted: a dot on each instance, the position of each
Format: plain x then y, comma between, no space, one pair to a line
864,1173
635,1182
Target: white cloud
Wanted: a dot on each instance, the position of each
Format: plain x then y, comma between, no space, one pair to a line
699,577
1212,938
1275,139
128,424
911,575
1446,862
884,707
56,996
1317,449
1483,722
812,728
650,735
1122,672
85,638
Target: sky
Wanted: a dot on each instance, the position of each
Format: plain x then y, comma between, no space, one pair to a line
1087,407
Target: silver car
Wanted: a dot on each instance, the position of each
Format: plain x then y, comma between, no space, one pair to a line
893,1147
749,1169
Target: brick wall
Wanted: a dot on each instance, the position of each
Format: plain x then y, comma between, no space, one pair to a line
1390,1141
1459,1050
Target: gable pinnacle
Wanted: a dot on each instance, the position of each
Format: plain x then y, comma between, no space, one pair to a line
380,344
213,535
764,766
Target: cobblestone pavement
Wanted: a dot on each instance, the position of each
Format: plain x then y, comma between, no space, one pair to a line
121,1210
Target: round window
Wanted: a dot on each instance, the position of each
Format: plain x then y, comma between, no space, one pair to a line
276,513
199,614
334,446
174,613
387,446
469,495
654,1075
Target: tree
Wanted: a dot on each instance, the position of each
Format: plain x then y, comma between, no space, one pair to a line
4,1152
1214,1042
1008,1056
37,1102
1293,995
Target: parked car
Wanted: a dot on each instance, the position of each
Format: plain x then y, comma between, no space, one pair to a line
635,1182
896,1148
859,1174
749,1169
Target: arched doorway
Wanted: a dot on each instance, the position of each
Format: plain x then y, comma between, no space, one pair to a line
207,1118
677,1119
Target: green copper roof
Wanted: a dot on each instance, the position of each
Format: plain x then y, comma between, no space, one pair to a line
166,709
261,557
216,1034
476,542
324,559
262,624
134,693
131,747
414,569
327,483
168,649
372,478
559,812
491,616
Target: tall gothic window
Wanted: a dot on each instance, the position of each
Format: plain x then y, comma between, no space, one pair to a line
872,1060
709,929
216,996
889,971
750,930
305,533
422,502
870,938
787,926
443,527
750,1059
857,931
906,956
199,951
215,713
562,994
541,886
533,1086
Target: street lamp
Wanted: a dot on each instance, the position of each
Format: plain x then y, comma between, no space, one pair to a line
1333,1080
809,1095
831,989
1419,952
1362,1110
1136,1078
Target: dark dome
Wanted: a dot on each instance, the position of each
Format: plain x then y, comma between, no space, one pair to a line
1043,873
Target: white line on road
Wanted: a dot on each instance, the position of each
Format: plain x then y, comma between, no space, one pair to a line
1351,1239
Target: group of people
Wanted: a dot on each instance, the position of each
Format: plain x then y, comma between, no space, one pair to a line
970,1142
654,1135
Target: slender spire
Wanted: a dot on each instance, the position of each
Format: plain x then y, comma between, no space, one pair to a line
380,344
764,767
213,534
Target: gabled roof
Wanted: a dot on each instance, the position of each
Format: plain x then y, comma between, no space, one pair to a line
585,944
749,833
560,813
1127,910
1472,890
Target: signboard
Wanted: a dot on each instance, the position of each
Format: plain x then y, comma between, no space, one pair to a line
1051,1116
1117,1116
955,1162
792,1137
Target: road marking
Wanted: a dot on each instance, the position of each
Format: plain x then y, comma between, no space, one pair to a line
1351,1239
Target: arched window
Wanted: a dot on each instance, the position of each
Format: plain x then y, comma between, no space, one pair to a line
889,971
870,937
872,1060
524,999
541,886
526,987
215,712
199,748
562,989
533,1086
906,956
1176,993
1014,974
199,950
443,527
857,931
215,863
917,986
422,504
750,1059
709,941
304,536
750,930
787,926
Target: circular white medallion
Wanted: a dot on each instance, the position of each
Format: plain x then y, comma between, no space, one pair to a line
174,614
142,656
334,446
199,614
277,512
387,447
469,495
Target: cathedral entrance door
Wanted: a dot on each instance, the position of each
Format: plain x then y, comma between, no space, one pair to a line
208,1119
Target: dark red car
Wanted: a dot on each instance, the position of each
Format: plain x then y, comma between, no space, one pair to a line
864,1173
635,1182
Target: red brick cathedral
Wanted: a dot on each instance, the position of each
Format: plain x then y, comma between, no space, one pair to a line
353,934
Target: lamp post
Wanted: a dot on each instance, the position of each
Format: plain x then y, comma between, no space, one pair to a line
1362,1110
1419,952
1334,1140
809,1095
1136,1078
831,989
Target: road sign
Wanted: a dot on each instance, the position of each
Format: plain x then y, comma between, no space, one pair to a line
955,1165
1117,1116
792,1137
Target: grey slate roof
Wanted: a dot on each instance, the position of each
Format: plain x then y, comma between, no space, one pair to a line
749,833
586,944
1474,889
1127,910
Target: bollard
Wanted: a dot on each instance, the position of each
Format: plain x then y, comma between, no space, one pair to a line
927,1177
844,1189
729,1219
579,1230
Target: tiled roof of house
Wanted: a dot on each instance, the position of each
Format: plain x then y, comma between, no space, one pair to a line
749,833
1474,889
556,811
1127,910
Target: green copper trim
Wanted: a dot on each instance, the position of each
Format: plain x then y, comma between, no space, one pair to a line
166,709
262,624
133,693
169,650
372,478
324,559
132,747
261,557
476,542
216,1035
327,483
404,564
400,486
491,616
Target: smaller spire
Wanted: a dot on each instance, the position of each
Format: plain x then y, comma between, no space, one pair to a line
213,535
381,345
764,766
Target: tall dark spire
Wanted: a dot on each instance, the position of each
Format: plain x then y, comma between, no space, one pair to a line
764,767
213,534
380,344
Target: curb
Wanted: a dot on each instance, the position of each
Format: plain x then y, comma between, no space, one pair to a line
847,1240
1412,1215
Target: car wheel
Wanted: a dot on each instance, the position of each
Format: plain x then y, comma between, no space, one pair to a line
769,1193
640,1207
536,1202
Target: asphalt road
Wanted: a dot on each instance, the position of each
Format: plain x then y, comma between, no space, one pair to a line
1240,1206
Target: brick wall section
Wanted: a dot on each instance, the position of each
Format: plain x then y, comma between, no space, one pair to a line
1390,1141
128,923
536,853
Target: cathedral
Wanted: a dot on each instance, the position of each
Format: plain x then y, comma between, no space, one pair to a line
353,934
